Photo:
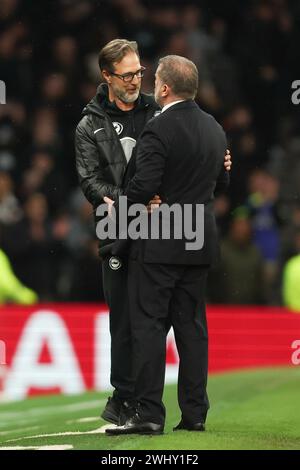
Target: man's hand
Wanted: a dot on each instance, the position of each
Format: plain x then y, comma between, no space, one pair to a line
153,204
227,161
110,204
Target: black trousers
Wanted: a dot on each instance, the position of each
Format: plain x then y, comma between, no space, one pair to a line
115,284
160,295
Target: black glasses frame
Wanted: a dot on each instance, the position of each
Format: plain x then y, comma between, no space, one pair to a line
128,77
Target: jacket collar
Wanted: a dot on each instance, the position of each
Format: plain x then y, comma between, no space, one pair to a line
97,103
182,105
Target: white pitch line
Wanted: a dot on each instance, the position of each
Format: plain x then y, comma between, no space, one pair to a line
60,434
56,447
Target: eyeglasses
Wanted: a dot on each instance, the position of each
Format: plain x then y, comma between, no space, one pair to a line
128,77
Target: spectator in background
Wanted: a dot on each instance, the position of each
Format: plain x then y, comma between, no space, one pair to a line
14,139
239,278
65,55
222,213
263,205
87,279
29,244
291,279
79,277
289,234
11,289
10,210
45,135
44,177
82,228
241,132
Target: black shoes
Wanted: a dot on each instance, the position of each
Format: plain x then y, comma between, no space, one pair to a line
128,410
118,411
135,425
111,412
124,414
183,426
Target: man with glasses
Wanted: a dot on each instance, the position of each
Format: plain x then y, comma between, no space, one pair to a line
105,140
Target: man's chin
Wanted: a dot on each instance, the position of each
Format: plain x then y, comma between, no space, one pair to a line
130,97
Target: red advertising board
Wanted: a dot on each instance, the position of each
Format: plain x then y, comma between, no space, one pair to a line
65,348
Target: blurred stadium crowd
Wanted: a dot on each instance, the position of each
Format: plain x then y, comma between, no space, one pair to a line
247,53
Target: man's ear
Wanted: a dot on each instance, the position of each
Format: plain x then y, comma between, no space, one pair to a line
106,76
165,90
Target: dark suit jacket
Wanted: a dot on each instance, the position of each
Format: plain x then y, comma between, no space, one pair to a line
180,156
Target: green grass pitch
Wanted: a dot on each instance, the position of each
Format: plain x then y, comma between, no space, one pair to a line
254,409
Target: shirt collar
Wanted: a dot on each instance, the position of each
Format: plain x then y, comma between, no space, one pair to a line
171,104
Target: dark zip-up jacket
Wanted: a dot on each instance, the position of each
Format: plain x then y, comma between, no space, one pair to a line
100,158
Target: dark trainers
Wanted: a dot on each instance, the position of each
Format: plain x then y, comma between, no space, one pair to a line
111,412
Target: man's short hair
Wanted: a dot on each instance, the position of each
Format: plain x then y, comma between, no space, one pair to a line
180,74
114,51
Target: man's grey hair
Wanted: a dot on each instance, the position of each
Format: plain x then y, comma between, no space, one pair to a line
180,74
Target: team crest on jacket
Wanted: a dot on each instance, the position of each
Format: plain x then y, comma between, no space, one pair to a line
118,127
115,263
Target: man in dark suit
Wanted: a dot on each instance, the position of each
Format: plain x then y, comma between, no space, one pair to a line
180,157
